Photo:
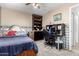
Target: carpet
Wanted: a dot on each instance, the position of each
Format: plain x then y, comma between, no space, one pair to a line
45,50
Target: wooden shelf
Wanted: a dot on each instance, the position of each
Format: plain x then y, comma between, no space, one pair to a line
36,22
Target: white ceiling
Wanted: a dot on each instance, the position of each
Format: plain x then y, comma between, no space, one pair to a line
45,7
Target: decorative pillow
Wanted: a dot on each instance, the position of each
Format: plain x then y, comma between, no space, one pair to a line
11,33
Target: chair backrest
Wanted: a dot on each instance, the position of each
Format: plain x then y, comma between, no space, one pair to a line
46,34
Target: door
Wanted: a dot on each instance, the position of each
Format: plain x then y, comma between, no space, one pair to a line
75,18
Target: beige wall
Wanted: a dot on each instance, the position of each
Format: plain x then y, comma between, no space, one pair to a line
12,17
0,15
48,17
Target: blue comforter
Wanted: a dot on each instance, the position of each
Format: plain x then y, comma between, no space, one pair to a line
10,46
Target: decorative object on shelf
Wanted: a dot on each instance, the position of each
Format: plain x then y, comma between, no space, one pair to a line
57,17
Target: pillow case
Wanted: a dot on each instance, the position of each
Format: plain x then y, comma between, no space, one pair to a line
20,33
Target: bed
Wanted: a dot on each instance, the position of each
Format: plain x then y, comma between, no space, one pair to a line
17,46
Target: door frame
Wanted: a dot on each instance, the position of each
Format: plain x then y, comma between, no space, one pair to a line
71,26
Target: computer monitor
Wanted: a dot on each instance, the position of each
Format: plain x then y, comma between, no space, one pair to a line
53,29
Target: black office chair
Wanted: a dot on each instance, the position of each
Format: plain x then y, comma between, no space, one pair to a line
48,39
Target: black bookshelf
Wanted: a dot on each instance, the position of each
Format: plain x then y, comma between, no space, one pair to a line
36,22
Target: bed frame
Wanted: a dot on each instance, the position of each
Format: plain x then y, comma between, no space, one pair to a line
27,53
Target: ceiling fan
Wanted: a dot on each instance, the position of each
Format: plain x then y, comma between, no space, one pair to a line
35,5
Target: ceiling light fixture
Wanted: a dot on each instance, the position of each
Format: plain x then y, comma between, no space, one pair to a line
35,5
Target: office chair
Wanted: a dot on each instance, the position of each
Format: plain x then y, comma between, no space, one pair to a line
49,39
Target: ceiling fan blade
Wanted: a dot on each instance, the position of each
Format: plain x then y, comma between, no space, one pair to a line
27,3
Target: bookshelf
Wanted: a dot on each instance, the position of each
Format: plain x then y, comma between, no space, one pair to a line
36,22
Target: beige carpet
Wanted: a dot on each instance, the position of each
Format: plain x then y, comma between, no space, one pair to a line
45,50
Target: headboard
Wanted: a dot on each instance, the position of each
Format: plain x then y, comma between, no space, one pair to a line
5,28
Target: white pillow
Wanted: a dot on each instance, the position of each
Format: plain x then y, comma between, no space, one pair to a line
15,28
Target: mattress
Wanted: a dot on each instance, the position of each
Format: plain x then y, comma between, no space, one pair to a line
10,46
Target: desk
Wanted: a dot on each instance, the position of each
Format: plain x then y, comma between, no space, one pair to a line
59,43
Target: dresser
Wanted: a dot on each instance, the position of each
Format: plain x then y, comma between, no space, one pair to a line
36,35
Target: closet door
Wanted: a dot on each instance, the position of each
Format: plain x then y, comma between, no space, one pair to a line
75,29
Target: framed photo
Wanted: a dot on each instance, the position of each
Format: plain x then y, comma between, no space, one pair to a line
57,17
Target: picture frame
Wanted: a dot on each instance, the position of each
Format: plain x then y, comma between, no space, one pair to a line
57,17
